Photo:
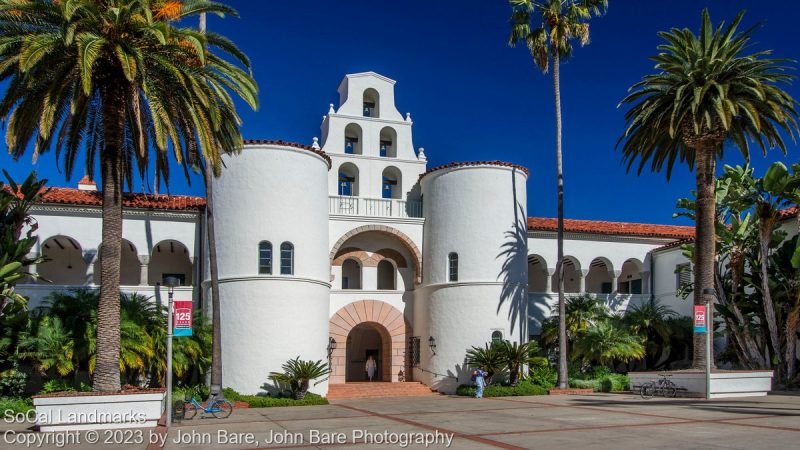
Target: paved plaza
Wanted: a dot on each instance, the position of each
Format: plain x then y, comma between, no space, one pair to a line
617,421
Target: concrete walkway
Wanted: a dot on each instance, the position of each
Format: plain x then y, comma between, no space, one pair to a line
595,421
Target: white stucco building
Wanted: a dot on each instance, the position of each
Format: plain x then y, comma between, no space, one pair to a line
354,243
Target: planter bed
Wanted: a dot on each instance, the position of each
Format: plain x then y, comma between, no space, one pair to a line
63,411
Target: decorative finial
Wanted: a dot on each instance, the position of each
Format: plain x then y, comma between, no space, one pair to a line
421,154
408,117
315,145
330,110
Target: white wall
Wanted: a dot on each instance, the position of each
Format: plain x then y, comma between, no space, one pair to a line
665,291
474,211
278,194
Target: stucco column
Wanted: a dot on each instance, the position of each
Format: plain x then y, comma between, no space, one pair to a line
144,261
645,282
582,280
548,274
614,280
32,267
91,257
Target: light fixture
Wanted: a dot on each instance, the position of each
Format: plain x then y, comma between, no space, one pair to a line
432,344
331,346
171,283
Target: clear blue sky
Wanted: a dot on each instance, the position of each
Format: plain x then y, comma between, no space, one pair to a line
471,96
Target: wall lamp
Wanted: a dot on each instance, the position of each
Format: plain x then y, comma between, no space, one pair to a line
331,346
432,344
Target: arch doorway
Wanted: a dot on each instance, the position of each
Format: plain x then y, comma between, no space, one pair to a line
367,327
368,339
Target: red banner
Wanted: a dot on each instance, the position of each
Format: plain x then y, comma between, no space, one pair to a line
699,319
182,317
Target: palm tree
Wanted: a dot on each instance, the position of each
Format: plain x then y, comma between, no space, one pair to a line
547,28
706,91
115,76
488,358
649,321
607,342
298,374
216,318
50,346
515,356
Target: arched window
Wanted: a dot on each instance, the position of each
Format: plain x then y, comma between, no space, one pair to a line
452,266
386,275
497,337
265,258
388,139
287,258
391,183
352,139
351,274
371,103
348,180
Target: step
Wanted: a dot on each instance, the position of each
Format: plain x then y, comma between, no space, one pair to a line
377,390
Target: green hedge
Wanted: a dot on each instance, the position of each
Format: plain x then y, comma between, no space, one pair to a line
256,401
15,404
614,382
524,387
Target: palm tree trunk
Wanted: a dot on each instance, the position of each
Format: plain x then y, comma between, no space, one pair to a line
765,226
705,244
791,343
216,341
563,374
107,374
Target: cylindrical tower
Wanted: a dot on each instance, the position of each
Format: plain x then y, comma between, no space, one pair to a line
271,205
474,284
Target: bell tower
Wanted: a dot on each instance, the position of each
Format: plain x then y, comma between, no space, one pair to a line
370,142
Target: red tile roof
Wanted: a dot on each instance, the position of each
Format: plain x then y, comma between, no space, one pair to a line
787,213
290,144
613,228
477,163
70,196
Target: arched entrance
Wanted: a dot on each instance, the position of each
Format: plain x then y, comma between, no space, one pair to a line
368,327
368,339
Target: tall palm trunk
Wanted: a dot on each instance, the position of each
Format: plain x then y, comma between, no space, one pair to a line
791,341
705,244
216,341
563,374
106,374
766,223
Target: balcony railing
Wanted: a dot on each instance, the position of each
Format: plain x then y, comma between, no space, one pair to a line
373,207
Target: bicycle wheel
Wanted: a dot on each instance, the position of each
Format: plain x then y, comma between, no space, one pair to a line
221,409
647,390
670,391
189,410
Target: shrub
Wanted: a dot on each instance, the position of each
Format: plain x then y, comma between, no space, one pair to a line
257,401
57,386
619,382
524,387
16,405
231,395
12,383
185,393
544,376
614,382
599,372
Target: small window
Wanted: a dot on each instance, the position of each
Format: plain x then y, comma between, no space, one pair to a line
385,275
497,337
413,350
605,287
388,190
287,258
683,275
265,258
181,277
369,109
636,286
452,264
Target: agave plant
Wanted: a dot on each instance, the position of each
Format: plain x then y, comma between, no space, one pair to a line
489,358
297,374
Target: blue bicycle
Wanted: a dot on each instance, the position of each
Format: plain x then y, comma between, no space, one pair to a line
220,409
